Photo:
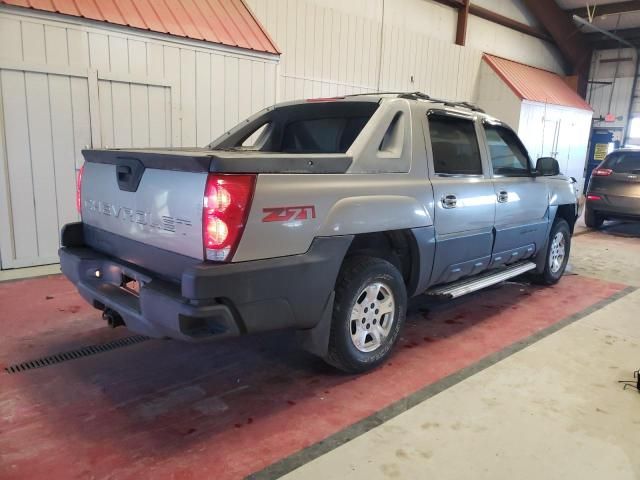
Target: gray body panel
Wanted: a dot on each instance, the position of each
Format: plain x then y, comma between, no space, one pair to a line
375,203
464,233
522,218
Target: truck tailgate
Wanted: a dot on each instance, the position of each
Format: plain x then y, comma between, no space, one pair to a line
164,209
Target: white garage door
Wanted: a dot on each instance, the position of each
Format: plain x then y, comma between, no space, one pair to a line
46,119
44,124
134,114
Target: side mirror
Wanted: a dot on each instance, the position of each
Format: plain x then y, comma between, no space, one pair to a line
547,166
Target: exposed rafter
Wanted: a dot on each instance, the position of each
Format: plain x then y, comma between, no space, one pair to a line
461,28
566,35
494,17
558,28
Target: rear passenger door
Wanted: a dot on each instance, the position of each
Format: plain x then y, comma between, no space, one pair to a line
521,198
464,198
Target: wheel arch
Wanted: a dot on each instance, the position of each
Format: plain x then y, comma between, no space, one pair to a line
410,250
567,212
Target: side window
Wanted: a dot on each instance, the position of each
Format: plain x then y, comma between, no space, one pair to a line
393,139
454,145
623,162
508,156
258,138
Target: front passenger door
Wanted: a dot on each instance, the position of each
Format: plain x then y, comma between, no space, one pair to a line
521,198
464,200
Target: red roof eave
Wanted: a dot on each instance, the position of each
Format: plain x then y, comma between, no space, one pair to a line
182,18
535,84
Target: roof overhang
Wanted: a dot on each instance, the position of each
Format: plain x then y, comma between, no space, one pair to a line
535,84
227,22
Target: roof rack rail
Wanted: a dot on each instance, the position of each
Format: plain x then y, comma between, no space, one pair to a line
415,95
448,103
374,93
471,106
423,96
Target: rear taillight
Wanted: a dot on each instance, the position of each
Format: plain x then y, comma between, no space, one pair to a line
79,189
602,172
593,197
227,199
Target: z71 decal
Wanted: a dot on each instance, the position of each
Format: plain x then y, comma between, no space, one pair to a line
287,214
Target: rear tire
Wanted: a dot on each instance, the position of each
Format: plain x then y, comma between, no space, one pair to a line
556,254
368,313
592,219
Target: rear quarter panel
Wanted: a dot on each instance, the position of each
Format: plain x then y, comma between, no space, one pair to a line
309,206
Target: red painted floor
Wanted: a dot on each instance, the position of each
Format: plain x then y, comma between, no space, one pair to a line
163,409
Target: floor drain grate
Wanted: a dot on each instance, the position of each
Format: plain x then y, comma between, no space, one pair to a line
75,354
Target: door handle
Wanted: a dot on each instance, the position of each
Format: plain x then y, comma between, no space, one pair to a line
503,196
449,201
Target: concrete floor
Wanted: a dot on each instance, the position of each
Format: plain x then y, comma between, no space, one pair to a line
554,410
29,272
513,382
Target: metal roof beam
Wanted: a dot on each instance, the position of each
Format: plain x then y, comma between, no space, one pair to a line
581,21
494,17
600,42
607,9
461,27
566,35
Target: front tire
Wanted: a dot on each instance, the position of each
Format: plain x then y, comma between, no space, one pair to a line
557,253
592,219
368,313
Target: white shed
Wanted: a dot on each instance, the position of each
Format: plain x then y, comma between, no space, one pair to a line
176,74
551,119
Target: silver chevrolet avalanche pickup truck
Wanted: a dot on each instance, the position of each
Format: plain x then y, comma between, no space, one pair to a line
321,215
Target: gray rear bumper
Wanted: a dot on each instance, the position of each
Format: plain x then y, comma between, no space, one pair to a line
616,207
211,300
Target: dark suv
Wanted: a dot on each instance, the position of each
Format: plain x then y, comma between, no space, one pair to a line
614,189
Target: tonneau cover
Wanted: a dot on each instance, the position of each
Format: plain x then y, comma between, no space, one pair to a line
204,159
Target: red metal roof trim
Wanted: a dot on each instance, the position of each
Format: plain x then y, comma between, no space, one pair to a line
228,22
535,84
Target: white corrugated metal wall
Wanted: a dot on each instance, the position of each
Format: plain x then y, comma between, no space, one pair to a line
611,90
496,98
556,131
545,129
332,47
66,84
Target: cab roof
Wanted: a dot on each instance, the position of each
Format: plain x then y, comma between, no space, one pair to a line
462,107
419,96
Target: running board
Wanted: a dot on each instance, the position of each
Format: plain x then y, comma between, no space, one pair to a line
468,285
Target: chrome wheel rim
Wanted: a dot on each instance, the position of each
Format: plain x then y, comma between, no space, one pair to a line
372,317
557,253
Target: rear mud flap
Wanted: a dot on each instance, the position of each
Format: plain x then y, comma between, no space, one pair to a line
316,340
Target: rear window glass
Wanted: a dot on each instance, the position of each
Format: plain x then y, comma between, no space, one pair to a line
623,162
312,127
322,135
